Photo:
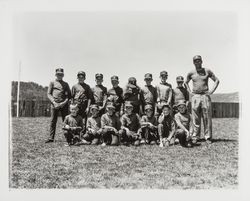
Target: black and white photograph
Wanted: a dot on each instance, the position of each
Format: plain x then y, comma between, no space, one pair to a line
122,99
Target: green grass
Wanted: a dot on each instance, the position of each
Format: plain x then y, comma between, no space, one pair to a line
34,164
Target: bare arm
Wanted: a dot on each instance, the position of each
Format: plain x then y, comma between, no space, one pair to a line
216,82
49,93
177,119
186,84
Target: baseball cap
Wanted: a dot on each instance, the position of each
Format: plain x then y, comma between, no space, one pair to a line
147,107
181,102
98,75
60,71
132,79
197,57
163,73
166,105
110,105
81,73
148,76
128,104
180,79
94,107
114,77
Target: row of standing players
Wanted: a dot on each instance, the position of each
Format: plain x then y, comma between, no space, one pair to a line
133,115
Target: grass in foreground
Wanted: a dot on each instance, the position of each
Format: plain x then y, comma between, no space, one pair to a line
34,164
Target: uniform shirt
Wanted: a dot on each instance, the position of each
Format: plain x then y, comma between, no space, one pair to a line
167,121
81,93
94,123
115,96
180,93
149,95
152,120
58,91
73,121
133,94
200,80
100,94
163,91
132,122
184,119
112,121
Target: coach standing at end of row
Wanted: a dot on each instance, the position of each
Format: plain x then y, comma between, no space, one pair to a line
200,98
59,94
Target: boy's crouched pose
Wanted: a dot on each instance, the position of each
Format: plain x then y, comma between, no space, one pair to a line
110,126
148,128
73,125
93,127
130,126
166,127
184,125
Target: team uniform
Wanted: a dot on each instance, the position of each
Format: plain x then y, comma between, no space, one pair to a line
164,91
100,96
58,93
93,130
149,95
132,122
109,135
148,133
75,123
115,95
166,126
81,94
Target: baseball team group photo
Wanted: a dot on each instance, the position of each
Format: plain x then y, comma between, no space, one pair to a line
125,101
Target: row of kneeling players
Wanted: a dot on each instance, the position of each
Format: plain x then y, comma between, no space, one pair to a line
130,128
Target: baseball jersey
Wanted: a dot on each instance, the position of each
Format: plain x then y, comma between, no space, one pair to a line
132,122
99,93
94,123
152,120
149,94
163,91
115,96
81,93
180,93
73,121
185,119
58,91
133,94
167,122
113,121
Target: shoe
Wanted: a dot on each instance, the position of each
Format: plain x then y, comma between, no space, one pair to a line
167,144
67,145
143,141
189,144
152,142
194,141
209,141
137,143
103,144
49,140
84,142
161,144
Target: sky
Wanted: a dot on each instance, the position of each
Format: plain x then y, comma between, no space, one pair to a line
125,44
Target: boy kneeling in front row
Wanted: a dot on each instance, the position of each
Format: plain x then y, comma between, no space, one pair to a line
166,127
110,126
73,125
184,125
93,127
130,124
148,128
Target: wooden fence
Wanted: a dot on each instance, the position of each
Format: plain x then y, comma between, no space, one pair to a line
31,108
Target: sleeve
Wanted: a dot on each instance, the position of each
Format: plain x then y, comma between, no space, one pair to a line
80,123
66,121
90,94
143,119
191,125
73,93
118,124
173,125
88,124
161,118
155,122
138,121
103,121
155,95
49,93
188,78
123,121
158,93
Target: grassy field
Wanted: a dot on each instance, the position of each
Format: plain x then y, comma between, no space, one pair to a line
34,164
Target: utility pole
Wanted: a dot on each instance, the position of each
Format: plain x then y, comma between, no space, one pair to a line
18,89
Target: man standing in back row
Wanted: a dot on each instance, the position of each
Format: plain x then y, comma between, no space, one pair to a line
200,98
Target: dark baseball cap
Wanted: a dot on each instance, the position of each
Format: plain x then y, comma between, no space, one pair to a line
98,75
180,79
60,71
132,79
110,105
163,73
114,77
197,57
81,73
148,76
128,104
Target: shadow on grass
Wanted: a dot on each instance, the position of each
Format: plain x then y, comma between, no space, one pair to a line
219,140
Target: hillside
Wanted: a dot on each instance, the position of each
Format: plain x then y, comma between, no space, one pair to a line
29,91
227,97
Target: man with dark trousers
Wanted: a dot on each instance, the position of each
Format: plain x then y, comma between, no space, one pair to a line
59,94
200,98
